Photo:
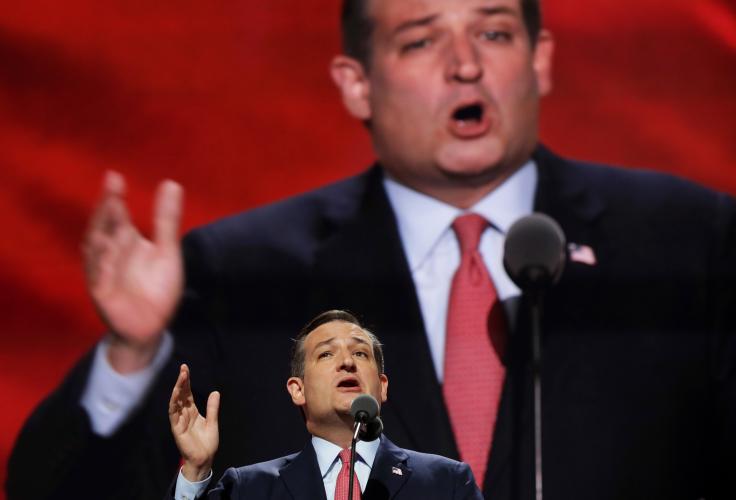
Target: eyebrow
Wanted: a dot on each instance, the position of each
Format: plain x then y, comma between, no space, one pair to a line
500,9
329,341
424,21
414,23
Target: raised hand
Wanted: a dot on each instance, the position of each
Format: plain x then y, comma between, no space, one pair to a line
135,283
196,437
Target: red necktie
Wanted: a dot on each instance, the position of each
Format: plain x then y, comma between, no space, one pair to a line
474,345
343,479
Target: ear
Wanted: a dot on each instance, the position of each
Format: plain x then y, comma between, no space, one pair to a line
384,387
295,386
543,53
352,82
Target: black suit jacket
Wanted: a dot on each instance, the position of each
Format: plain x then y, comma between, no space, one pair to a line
396,474
639,391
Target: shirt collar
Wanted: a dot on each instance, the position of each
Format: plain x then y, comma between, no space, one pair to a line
327,452
422,220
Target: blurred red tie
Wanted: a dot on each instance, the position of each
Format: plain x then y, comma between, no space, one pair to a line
474,345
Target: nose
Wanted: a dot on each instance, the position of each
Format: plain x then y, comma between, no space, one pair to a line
464,63
347,362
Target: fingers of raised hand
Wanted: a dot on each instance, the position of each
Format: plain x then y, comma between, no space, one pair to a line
113,184
110,235
167,214
110,211
181,404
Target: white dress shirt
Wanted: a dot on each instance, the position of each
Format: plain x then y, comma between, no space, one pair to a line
109,396
328,460
433,255
433,252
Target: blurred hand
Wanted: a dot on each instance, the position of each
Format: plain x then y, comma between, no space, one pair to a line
135,283
196,437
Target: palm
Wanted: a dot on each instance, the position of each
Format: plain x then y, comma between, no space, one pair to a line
138,294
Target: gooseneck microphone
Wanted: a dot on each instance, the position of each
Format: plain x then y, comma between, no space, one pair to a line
364,408
371,430
534,257
368,426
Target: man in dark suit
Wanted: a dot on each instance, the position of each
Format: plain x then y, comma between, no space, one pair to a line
334,359
639,390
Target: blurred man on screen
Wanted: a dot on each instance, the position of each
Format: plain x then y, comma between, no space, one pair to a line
639,385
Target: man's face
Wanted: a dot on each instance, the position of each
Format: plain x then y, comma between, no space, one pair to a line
452,89
338,366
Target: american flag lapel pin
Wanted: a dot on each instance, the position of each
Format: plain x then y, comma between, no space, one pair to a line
397,471
582,254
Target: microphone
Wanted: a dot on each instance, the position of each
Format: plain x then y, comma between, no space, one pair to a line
534,256
364,408
371,430
534,252
368,426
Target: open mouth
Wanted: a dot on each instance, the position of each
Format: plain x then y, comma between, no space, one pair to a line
349,383
469,121
471,113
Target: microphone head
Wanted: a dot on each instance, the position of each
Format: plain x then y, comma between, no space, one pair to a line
371,430
364,408
534,252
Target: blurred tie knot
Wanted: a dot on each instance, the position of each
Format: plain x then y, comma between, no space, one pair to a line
468,229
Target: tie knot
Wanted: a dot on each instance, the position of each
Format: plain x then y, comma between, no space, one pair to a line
468,229
345,456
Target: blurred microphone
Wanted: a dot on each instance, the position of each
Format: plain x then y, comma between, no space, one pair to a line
364,408
534,252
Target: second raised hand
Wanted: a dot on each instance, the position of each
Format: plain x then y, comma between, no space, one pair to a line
197,437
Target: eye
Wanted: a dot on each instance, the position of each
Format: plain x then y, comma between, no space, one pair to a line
496,36
361,354
416,45
324,354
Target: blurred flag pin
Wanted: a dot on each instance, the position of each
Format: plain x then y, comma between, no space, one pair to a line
582,254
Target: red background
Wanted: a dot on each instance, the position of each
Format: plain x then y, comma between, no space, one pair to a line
232,99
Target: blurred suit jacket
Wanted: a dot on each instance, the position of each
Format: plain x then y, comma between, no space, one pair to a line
639,389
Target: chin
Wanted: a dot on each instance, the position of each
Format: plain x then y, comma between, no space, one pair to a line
343,403
469,160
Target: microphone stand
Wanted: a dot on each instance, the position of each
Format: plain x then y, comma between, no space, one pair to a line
356,431
536,314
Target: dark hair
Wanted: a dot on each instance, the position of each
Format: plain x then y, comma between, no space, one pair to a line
357,27
297,350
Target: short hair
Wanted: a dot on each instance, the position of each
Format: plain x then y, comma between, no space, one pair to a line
357,27
297,350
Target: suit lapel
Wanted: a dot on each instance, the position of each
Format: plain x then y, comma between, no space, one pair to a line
389,472
302,476
365,270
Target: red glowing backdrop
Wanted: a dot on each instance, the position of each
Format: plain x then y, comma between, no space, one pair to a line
232,99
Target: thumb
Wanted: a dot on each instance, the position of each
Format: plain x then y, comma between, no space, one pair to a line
167,213
213,407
